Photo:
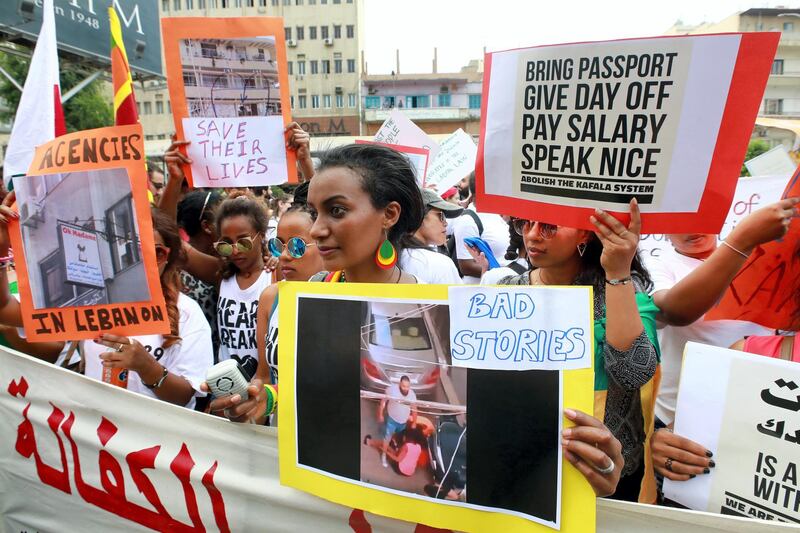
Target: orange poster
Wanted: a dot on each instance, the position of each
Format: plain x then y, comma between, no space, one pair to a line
229,89
83,244
765,289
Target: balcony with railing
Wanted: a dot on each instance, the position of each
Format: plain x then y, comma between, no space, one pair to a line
432,107
780,108
234,60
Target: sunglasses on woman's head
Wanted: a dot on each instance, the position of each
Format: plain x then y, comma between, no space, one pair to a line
244,244
523,226
295,246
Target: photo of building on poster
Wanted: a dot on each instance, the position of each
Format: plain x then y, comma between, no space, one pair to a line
81,239
413,402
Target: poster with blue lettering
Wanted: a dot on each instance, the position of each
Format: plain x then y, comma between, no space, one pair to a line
521,328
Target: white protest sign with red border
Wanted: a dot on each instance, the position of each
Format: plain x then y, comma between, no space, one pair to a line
569,128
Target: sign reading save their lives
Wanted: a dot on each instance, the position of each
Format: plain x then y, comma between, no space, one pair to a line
521,328
81,256
574,127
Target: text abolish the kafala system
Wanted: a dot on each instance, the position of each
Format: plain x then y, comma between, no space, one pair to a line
597,127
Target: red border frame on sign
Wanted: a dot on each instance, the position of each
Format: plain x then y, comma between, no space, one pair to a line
750,74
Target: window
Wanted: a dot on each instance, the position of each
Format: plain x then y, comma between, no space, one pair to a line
275,3
189,80
349,1
298,2
422,100
122,237
312,2
372,102
323,2
176,5
160,108
351,99
788,26
57,291
225,3
291,101
148,108
326,101
337,66
312,32
773,106
323,30
287,2
337,1
759,26
164,5
339,100
314,66
262,3
301,68
161,136
201,4
300,33
388,102
474,101
169,107
288,33
212,4
301,101
351,31
290,68
189,4
315,101
326,66
777,67
351,65
208,49
444,100
337,31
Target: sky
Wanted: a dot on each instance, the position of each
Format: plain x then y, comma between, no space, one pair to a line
461,28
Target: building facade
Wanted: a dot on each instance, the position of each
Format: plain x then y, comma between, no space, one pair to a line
782,95
324,41
439,103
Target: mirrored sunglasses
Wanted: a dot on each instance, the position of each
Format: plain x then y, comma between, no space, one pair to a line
523,226
296,247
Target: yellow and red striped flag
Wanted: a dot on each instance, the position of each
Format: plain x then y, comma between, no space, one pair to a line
124,101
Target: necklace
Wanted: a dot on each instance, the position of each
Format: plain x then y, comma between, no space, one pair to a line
338,276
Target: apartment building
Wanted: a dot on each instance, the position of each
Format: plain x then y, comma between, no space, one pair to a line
324,41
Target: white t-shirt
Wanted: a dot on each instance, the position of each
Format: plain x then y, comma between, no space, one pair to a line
666,271
190,358
399,411
236,321
495,233
429,266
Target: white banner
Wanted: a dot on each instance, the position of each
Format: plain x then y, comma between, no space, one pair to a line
80,455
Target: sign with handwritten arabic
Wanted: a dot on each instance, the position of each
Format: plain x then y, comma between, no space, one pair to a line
746,409
81,255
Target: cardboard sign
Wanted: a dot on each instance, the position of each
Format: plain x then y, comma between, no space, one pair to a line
748,415
84,240
381,360
229,89
751,195
456,159
81,255
764,291
775,162
398,129
418,157
566,129
521,328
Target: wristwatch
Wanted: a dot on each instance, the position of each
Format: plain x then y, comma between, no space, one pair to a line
160,381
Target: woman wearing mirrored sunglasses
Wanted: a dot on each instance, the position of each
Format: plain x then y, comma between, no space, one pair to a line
625,330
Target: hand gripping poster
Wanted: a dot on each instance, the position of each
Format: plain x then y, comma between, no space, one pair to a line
229,89
375,415
748,415
84,247
569,128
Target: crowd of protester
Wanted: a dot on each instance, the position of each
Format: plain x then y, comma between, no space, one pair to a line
221,252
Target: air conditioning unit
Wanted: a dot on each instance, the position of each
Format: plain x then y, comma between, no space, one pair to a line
291,43
30,216
339,90
328,41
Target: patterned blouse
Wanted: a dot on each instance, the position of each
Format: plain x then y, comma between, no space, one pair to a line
628,371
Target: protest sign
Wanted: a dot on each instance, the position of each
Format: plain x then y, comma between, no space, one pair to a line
398,129
55,415
566,129
84,239
749,416
456,159
751,194
521,328
229,89
418,157
764,291
775,162
387,346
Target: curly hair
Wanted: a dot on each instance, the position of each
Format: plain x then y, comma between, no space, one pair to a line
171,277
241,204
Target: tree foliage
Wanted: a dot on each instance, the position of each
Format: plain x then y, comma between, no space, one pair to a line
754,149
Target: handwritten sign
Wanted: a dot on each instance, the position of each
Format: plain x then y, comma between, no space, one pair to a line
81,256
456,159
236,152
418,157
569,128
521,328
749,417
398,129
